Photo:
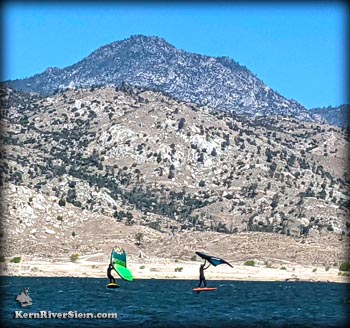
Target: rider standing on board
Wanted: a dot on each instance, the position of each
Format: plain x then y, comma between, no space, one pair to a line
109,274
201,274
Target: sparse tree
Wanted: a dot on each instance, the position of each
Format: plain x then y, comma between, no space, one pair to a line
202,183
139,238
300,207
181,124
275,200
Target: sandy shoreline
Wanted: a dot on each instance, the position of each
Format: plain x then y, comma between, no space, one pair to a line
155,268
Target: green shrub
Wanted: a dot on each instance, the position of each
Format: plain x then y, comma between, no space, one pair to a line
283,268
16,260
345,266
139,238
62,202
314,270
2,259
142,267
268,264
326,268
74,257
249,263
179,269
193,258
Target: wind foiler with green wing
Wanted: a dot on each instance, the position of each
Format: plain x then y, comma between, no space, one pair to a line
118,263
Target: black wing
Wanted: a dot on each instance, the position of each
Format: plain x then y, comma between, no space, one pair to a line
213,259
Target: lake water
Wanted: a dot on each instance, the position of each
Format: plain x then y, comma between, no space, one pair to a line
172,303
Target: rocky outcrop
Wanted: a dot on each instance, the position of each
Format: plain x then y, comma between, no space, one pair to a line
339,115
142,158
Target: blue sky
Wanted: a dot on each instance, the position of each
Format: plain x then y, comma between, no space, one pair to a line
299,50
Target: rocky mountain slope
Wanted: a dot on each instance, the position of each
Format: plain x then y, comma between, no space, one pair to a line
339,115
146,161
152,63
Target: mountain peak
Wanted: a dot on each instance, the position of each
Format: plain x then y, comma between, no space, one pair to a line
151,62
140,40
145,38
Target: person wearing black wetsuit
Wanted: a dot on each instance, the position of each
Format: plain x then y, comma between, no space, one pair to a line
201,274
109,275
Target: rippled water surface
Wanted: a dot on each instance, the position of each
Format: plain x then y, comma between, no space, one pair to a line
172,303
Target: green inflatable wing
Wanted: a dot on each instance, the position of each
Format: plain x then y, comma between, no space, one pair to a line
118,260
